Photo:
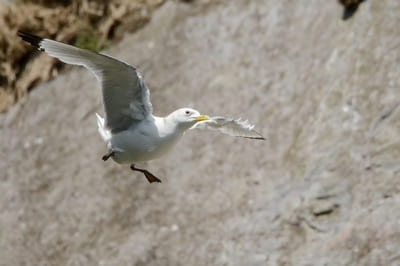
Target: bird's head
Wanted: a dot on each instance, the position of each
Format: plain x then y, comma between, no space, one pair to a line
187,117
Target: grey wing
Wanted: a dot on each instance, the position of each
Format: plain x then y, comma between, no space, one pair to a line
230,126
125,96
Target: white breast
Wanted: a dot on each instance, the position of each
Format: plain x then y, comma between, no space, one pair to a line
143,142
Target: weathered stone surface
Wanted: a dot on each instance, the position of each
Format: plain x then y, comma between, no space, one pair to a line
323,190
91,24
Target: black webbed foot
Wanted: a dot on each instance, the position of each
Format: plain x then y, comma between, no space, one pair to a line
107,156
149,176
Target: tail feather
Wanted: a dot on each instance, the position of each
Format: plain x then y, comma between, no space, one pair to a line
104,132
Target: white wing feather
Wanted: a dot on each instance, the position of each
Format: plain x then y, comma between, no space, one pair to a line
104,133
230,126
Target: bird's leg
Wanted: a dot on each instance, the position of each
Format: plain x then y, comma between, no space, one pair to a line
108,155
150,177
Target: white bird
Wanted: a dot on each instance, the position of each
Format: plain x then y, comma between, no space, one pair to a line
130,130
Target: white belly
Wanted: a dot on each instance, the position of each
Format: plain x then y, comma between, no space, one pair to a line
133,146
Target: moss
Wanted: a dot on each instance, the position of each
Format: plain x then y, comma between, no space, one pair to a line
90,40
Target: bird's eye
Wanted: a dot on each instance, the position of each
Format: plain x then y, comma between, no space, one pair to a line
187,112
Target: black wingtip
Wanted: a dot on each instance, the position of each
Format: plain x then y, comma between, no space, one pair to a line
257,138
30,38
350,7
349,11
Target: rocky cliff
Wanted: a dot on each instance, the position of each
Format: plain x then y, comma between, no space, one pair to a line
322,190
91,24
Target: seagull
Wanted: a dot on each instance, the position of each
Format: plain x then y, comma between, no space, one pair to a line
131,132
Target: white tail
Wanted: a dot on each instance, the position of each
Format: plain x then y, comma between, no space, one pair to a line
104,133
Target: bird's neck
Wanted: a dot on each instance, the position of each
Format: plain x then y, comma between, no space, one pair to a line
168,127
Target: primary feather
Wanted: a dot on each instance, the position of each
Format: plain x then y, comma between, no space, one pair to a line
230,126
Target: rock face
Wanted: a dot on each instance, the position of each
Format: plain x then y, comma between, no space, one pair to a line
91,24
323,190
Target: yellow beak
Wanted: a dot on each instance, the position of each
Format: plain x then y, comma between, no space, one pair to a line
202,117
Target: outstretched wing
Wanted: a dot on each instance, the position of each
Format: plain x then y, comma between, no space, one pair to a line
230,126
125,96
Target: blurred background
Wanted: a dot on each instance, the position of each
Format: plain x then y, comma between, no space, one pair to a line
319,79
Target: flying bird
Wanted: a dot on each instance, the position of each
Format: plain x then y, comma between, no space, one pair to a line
131,132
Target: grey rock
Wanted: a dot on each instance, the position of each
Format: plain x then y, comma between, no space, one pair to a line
322,191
